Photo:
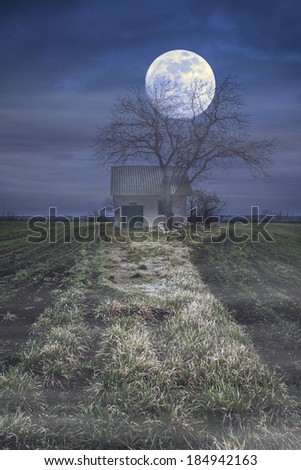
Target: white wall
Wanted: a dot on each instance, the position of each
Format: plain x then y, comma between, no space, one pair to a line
150,206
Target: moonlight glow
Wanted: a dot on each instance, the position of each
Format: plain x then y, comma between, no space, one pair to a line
184,72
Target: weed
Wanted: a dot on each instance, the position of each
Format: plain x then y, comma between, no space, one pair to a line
19,390
9,317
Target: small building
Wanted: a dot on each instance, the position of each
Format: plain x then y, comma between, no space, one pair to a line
137,194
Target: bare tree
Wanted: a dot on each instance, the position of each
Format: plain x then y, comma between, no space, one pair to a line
141,129
108,204
205,204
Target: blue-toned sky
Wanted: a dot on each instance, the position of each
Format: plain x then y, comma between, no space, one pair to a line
63,62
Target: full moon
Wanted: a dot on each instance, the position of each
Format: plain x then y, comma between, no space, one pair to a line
182,78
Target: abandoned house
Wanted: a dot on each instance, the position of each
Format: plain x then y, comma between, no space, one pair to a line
137,194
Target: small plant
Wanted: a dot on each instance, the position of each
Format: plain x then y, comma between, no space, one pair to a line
22,274
9,317
19,390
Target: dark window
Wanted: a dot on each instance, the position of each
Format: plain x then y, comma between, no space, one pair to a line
160,208
133,214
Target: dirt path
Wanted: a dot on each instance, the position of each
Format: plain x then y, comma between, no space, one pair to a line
141,270
18,314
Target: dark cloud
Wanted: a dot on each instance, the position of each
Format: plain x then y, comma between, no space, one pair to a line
63,63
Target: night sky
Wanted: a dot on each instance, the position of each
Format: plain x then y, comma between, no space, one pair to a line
63,63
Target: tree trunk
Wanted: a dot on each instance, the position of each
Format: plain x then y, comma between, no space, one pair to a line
167,197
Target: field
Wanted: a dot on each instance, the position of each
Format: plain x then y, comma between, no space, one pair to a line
150,345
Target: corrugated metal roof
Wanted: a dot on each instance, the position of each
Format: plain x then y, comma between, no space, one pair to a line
145,181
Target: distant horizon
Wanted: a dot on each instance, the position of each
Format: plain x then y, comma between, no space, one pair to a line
262,212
